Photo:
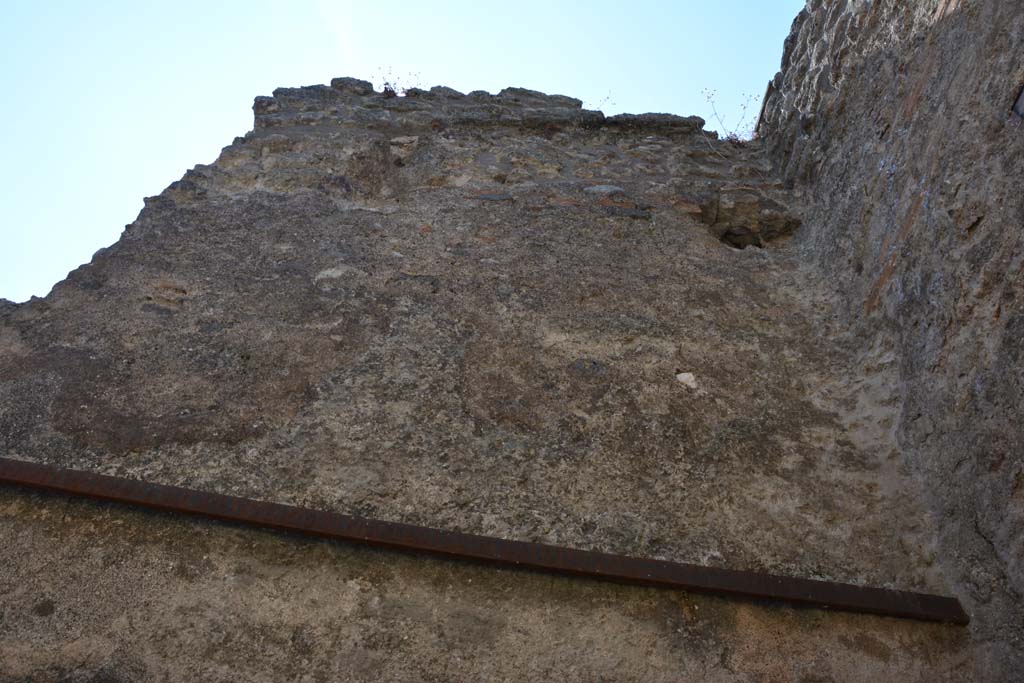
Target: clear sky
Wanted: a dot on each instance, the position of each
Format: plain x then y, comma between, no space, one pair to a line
110,101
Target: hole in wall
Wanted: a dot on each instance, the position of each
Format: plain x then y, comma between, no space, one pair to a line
741,239
1018,107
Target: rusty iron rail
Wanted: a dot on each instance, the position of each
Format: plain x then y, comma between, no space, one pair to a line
534,556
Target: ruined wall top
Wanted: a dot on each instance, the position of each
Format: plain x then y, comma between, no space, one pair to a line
355,102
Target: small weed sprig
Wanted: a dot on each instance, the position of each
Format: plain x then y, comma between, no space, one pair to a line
393,85
605,101
745,125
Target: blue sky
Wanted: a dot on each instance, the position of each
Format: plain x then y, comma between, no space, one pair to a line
108,102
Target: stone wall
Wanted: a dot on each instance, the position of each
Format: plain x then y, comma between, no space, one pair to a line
894,122
497,314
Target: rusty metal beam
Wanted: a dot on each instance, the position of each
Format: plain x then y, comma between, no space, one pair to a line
534,556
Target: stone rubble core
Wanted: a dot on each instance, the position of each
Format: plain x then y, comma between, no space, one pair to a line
738,214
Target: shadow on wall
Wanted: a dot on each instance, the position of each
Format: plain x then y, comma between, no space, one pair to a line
900,123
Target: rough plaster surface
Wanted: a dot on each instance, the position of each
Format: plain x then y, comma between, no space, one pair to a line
498,314
894,122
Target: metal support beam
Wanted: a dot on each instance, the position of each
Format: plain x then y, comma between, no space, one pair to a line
534,556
